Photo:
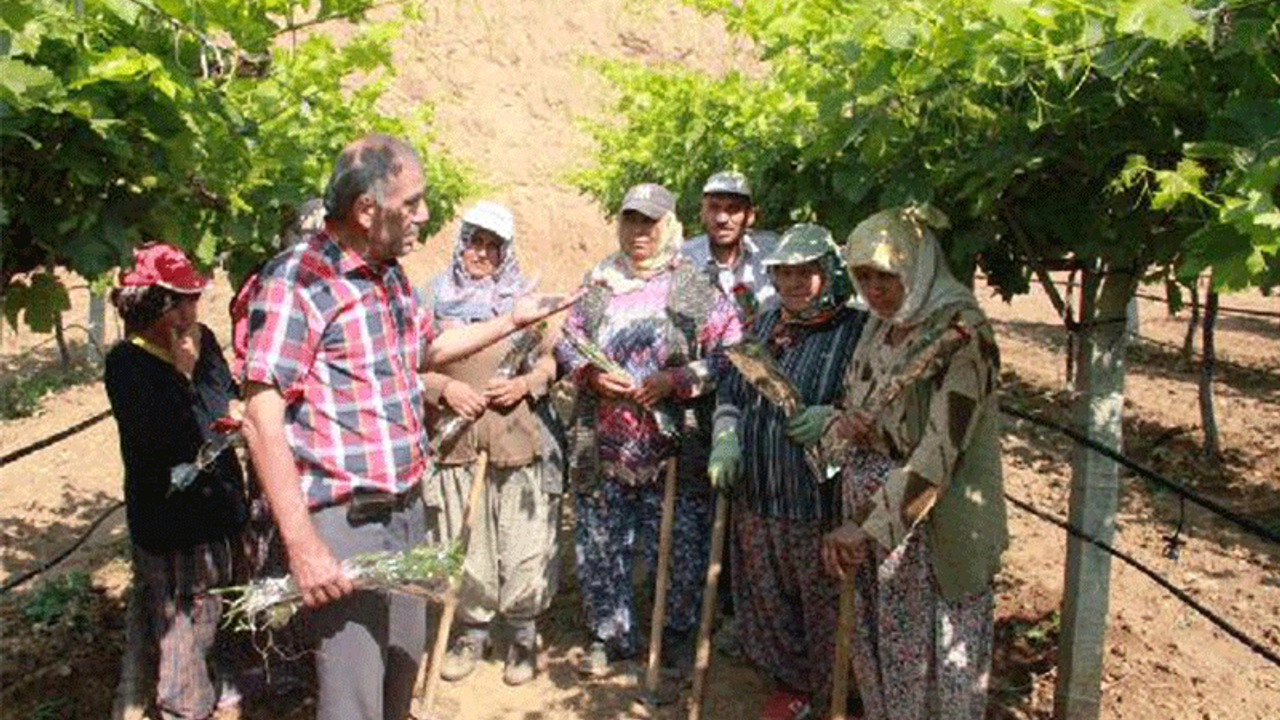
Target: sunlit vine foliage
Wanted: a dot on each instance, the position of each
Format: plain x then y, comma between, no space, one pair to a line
203,122
1137,134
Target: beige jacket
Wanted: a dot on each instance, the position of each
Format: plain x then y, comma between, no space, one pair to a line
943,434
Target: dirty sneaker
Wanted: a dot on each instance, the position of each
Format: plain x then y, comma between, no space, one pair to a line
595,661
521,664
467,649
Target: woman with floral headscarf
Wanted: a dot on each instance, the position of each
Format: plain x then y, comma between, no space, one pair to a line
785,606
924,507
660,321
168,383
498,400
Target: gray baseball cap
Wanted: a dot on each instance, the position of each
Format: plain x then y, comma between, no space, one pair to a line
649,199
728,182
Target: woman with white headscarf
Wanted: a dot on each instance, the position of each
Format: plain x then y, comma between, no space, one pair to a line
498,403
923,501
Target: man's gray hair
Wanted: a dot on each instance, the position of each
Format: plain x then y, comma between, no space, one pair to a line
365,166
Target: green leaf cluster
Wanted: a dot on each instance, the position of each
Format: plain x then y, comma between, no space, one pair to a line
65,596
21,395
202,122
1128,133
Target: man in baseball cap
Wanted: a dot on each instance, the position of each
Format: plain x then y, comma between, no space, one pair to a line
732,255
730,250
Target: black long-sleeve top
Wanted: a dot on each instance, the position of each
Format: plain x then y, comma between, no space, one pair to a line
163,419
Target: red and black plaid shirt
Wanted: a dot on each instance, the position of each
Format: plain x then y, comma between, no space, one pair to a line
342,341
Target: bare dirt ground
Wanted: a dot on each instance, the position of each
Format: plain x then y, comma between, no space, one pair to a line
507,83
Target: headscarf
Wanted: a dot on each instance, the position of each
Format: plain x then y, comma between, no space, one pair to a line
805,243
899,241
620,274
457,295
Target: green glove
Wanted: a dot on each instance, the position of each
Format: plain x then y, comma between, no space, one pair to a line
725,464
805,427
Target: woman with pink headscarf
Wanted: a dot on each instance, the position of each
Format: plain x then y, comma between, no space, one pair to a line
663,327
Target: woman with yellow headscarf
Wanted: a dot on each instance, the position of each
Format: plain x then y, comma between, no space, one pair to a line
923,502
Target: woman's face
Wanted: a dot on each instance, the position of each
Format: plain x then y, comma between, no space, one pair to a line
179,319
798,285
882,290
482,254
639,235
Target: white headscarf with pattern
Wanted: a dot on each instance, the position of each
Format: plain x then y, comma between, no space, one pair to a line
620,274
899,241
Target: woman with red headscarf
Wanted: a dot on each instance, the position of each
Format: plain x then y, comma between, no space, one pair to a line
168,382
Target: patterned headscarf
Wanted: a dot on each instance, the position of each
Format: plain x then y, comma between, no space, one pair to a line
899,241
620,274
457,295
805,243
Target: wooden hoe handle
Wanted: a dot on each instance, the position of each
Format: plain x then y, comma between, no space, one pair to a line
429,672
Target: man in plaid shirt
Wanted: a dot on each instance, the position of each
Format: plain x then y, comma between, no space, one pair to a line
334,417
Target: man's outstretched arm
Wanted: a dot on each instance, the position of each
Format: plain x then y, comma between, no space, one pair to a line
458,342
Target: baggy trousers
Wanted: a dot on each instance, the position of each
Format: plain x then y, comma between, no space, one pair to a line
511,566
614,523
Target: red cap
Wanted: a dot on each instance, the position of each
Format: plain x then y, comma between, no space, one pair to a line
163,264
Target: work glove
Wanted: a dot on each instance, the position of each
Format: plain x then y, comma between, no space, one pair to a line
724,467
805,427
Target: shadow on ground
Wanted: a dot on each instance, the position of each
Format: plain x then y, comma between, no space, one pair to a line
1157,360
28,543
66,667
1026,647
1172,452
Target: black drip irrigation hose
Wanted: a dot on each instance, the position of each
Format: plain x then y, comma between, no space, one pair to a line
56,437
19,579
1239,635
1180,594
1083,439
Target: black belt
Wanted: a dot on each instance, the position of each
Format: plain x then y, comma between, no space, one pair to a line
378,505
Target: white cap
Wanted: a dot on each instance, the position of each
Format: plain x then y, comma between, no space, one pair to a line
493,217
